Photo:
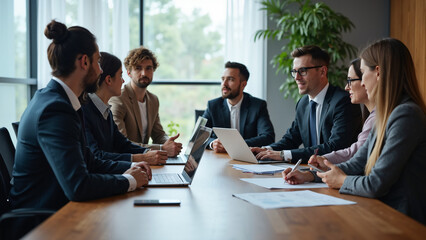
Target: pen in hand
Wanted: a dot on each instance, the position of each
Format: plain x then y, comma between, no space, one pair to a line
296,166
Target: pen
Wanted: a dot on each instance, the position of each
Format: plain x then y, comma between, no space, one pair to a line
296,166
316,152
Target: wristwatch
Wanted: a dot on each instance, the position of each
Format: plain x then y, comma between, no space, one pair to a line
282,155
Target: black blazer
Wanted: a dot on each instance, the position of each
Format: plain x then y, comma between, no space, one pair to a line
339,125
255,125
52,163
103,137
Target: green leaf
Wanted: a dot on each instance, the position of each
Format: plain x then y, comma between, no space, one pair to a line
309,24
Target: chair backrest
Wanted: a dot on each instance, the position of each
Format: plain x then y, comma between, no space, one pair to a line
4,187
7,150
15,126
198,113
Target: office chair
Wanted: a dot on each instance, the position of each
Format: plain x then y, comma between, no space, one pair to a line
15,126
16,223
7,149
198,113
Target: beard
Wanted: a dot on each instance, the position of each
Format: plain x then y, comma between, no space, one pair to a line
231,93
143,84
90,81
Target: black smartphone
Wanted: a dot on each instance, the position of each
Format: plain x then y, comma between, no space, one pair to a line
151,202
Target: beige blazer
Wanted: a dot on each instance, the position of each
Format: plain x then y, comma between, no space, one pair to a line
125,110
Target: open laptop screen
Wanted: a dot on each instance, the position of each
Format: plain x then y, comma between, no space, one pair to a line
199,145
201,122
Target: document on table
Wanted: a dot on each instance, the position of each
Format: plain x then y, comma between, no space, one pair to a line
259,169
304,198
276,183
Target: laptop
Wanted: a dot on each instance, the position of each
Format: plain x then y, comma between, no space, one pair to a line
183,157
236,147
185,178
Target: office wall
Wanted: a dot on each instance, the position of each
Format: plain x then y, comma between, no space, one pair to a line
408,24
371,20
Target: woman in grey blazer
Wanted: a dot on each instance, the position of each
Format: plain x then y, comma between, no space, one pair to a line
390,165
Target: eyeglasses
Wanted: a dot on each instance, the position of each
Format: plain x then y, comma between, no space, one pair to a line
302,71
349,80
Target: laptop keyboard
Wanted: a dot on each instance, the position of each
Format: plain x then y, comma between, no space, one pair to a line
167,178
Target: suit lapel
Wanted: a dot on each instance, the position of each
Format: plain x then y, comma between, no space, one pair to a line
324,110
134,102
372,142
243,113
305,122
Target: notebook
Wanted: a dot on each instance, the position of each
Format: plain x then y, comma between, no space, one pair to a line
182,158
236,147
185,178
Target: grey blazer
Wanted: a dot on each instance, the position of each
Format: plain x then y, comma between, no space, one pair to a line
398,177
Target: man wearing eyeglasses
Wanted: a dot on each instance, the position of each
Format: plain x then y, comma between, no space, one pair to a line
325,118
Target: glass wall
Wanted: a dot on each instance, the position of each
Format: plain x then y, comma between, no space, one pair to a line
13,62
188,38
178,104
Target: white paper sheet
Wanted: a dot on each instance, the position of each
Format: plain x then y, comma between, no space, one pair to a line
304,198
259,169
276,183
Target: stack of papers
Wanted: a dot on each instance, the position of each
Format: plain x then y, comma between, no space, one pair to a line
304,198
260,169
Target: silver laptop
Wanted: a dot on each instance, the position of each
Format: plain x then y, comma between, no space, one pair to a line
183,157
236,147
185,178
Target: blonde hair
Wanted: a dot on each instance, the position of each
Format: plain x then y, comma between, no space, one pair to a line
397,78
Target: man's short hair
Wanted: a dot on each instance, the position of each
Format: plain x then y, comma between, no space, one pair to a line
137,55
243,69
319,56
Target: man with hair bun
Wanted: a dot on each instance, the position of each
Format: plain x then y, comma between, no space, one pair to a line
53,164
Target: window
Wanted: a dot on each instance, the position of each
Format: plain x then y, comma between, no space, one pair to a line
14,73
187,36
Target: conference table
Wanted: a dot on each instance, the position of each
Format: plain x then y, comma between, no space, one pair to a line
208,210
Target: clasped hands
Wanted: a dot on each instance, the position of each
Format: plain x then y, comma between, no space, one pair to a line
141,172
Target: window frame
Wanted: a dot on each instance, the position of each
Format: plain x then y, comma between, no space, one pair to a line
31,80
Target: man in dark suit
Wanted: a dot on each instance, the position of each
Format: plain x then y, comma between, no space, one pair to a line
236,109
325,118
52,164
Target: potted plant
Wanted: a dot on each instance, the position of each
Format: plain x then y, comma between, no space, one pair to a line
310,24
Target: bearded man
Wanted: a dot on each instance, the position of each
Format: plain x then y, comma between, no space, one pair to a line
239,110
136,111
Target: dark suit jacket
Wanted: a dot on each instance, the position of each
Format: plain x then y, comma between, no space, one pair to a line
255,125
398,176
103,137
339,126
52,163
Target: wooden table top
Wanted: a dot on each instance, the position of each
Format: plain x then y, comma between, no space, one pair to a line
209,211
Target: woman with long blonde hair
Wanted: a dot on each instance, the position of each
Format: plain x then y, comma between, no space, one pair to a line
390,165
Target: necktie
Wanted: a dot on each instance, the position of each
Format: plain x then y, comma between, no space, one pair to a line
313,122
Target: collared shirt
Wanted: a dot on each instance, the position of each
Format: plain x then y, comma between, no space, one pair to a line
319,99
103,108
235,114
71,95
76,105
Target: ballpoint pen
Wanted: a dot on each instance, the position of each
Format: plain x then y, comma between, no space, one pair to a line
296,166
